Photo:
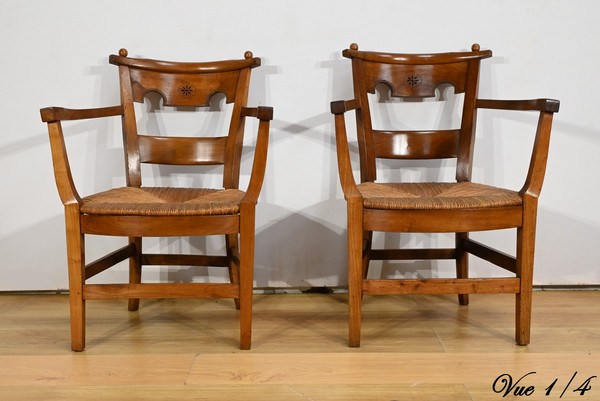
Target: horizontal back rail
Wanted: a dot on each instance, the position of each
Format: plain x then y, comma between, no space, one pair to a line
183,67
193,90
406,80
182,150
438,144
416,59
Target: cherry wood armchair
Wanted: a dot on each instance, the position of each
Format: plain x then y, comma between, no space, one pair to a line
136,211
434,207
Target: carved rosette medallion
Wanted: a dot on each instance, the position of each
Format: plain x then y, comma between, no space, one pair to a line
186,90
413,80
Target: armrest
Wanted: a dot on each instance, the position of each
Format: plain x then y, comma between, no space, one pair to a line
259,165
539,154
50,114
545,105
338,108
60,161
342,106
261,112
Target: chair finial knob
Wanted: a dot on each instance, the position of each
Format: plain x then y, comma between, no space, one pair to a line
353,46
123,52
248,54
475,47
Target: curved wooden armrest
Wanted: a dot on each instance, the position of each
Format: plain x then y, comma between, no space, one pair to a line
342,106
259,165
50,114
539,154
338,108
261,112
60,160
545,105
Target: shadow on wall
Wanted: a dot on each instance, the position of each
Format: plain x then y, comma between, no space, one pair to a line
301,249
563,250
295,248
35,258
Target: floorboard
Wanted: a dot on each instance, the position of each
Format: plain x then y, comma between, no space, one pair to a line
424,347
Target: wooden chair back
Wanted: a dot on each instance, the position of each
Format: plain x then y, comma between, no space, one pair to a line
415,76
180,85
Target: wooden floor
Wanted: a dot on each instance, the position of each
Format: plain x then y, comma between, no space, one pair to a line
413,348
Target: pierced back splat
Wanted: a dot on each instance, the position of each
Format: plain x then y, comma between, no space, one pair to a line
184,84
415,76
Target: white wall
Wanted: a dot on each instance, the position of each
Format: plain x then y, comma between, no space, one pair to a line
55,53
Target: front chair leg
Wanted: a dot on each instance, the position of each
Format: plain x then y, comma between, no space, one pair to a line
135,270
525,253
246,273
76,259
355,271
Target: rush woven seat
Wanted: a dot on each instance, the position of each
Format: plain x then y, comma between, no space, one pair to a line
435,195
155,201
458,207
135,211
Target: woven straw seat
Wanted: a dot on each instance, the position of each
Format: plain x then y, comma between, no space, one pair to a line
434,195
156,201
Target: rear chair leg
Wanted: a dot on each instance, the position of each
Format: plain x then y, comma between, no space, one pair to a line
231,243
366,257
462,264
135,270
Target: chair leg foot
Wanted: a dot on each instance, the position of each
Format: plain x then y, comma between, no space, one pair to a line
77,324
133,305
245,320
354,340
523,317
245,344
354,318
